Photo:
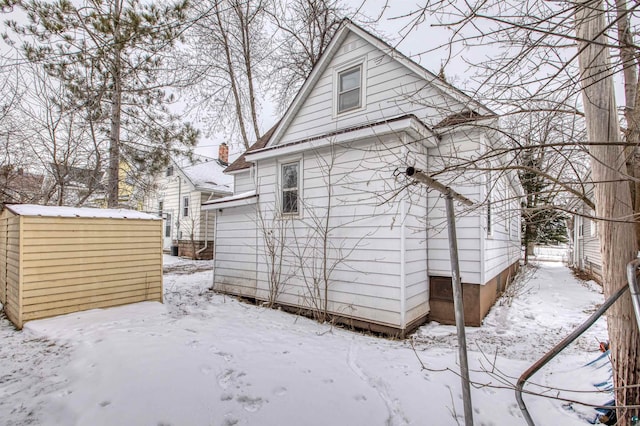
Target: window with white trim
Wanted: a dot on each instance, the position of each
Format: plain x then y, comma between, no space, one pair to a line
167,226
290,183
349,94
185,206
160,208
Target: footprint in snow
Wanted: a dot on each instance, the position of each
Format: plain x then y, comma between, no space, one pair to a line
226,356
224,378
205,369
226,397
250,404
280,391
105,403
230,421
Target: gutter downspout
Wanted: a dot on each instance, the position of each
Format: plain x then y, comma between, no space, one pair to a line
215,235
179,210
403,283
206,229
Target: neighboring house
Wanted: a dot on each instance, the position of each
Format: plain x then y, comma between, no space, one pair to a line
18,186
585,250
72,186
321,220
180,191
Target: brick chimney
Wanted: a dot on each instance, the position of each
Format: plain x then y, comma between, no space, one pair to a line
223,154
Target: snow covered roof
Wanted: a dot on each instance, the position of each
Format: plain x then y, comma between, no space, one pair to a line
61,211
206,174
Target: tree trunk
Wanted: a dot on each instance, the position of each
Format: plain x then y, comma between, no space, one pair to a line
631,113
613,199
232,77
113,178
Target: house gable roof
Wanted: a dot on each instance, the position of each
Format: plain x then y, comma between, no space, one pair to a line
241,162
349,27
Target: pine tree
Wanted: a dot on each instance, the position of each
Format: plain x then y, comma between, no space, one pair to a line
541,223
109,55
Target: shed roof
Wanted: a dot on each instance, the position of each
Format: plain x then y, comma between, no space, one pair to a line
62,211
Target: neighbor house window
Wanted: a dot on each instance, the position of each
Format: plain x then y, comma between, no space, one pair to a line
160,208
350,89
185,206
290,188
167,226
169,171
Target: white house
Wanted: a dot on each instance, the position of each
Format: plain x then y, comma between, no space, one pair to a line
585,250
324,221
180,191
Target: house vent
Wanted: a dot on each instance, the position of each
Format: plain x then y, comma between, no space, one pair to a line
349,47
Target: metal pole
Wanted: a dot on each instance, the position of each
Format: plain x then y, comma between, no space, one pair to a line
456,283
632,268
558,348
459,311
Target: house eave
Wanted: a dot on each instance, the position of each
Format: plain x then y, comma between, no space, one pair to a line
214,191
477,125
243,199
409,125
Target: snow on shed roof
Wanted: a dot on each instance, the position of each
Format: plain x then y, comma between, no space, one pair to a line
61,211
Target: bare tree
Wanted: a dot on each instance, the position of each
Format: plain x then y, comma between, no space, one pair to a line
613,199
227,47
273,231
109,54
305,28
535,57
13,155
62,141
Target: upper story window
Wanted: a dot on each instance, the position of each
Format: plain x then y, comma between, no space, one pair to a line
290,188
160,208
350,89
169,171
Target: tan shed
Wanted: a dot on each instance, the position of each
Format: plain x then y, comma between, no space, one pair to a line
57,260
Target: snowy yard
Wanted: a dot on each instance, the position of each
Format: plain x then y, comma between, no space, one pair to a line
207,359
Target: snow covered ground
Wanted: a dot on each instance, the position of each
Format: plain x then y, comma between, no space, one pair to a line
207,359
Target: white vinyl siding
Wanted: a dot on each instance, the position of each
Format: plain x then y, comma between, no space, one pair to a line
243,182
389,90
386,247
364,237
235,251
172,191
